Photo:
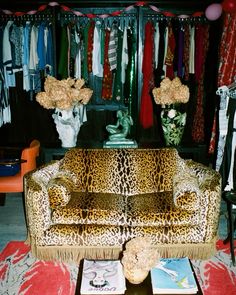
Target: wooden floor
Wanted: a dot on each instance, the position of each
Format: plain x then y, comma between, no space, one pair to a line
13,226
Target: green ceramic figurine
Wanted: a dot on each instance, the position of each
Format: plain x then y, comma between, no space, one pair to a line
122,127
118,133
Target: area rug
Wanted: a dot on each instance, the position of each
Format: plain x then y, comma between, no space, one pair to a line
22,274
217,276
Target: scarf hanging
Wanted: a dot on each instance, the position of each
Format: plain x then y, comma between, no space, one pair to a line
146,107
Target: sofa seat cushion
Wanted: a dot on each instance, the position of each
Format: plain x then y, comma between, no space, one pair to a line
153,209
158,210
92,208
88,235
84,235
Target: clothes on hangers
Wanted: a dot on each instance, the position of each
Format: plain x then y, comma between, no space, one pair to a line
156,44
107,77
27,47
97,63
192,51
186,52
180,52
112,48
202,37
229,144
63,54
169,57
104,53
130,81
7,57
146,107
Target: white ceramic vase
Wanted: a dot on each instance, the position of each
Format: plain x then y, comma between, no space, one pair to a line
68,123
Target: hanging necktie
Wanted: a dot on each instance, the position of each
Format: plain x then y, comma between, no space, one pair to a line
192,51
107,73
124,56
84,60
90,46
129,87
118,87
186,52
112,48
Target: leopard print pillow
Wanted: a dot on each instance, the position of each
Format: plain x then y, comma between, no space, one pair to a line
186,191
59,190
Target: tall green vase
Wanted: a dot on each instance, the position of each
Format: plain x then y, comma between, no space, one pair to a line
173,123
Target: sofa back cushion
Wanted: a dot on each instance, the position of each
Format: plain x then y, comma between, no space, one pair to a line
122,171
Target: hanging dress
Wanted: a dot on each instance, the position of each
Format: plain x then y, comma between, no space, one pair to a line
170,54
202,35
146,107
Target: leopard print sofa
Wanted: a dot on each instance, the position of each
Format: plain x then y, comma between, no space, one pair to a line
91,202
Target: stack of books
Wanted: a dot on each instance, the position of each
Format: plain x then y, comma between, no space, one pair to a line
102,277
173,276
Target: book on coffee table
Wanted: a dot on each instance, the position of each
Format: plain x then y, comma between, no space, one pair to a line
173,276
102,277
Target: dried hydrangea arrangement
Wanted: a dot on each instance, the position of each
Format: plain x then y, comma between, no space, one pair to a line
171,92
172,95
63,94
138,258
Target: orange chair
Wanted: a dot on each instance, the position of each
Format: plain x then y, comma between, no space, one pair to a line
14,184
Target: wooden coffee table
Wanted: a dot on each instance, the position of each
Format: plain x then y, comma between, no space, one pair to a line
145,288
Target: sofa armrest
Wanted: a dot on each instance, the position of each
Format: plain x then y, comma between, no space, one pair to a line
60,187
38,212
203,172
37,206
186,189
191,182
210,185
186,192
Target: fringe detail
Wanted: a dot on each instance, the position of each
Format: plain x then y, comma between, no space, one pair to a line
28,239
73,254
196,251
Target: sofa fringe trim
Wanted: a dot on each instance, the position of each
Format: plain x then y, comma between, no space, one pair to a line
76,253
196,251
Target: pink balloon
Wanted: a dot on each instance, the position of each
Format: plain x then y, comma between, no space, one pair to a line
213,11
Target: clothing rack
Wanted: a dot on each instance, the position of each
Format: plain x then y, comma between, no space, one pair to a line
227,137
181,20
27,17
122,20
